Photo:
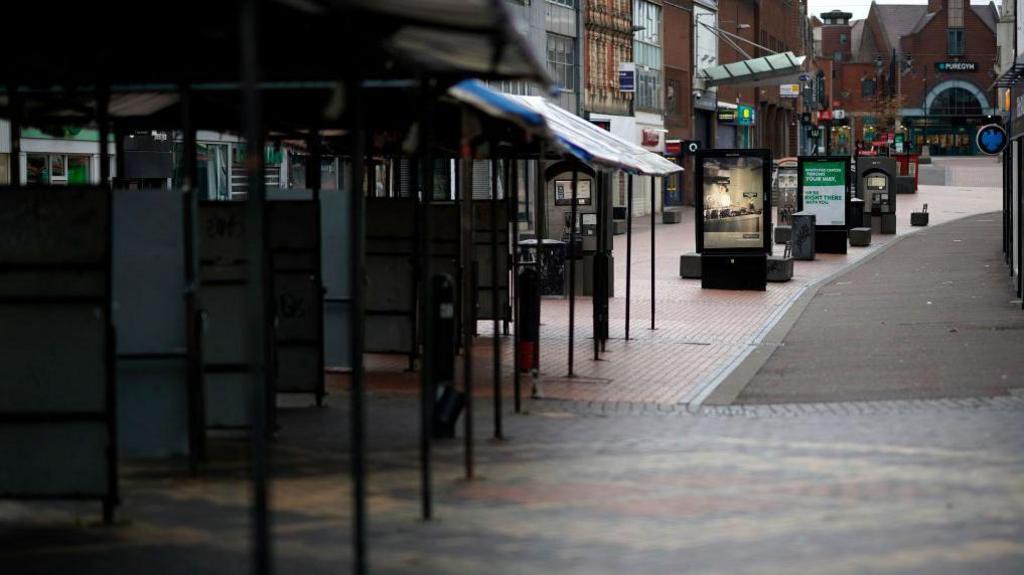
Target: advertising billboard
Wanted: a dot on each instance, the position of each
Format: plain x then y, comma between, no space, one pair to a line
823,189
734,202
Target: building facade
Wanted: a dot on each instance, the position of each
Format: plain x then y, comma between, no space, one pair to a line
924,70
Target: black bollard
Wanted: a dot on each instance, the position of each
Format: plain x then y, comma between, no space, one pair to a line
441,347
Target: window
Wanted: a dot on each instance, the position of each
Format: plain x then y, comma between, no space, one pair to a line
843,39
562,60
955,42
672,97
867,87
837,56
647,55
568,3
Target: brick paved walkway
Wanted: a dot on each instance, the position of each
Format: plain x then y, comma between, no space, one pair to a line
879,487
701,334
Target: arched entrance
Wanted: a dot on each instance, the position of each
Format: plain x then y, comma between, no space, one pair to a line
952,112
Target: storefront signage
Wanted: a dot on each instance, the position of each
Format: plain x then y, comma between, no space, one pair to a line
789,90
726,115
733,203
991,139
822,189
627,77
650,137
839,114
691,146
956,66
745,116
824,115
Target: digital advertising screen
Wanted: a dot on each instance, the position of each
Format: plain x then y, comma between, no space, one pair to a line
823,190
733,202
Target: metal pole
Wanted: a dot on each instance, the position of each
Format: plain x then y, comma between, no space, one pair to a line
427,382
103,120
357,238
193,323
257,305
14,102
653,197
629,244
572,266
495,341
469,318
514,222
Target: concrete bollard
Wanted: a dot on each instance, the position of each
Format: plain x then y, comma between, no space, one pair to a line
689,266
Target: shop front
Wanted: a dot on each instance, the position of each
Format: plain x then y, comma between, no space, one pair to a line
735,126
949,119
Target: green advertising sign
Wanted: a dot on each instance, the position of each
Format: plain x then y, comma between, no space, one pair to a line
824,192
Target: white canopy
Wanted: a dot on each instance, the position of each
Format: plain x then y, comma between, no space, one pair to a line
580,138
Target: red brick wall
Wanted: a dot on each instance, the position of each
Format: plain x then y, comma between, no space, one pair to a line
678,51
929,46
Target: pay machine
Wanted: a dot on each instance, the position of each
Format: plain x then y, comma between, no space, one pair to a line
876,185
591,191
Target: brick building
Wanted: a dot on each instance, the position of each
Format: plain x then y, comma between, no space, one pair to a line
752,116
928,68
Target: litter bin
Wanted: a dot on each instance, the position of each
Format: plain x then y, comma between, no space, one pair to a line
528,320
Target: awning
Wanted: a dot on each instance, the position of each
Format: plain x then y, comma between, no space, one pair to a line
460,35
767,70
576,136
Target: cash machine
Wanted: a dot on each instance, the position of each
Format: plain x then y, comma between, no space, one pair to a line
876,185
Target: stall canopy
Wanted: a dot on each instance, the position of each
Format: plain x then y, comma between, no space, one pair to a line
448,40
576,136
456,35
766,70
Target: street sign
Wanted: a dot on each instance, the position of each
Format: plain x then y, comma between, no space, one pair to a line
627,77
839,114
805,77
991,139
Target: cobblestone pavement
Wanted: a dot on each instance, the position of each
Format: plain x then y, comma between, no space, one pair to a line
886,487
701,334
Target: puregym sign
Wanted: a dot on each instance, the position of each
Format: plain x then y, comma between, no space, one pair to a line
956,66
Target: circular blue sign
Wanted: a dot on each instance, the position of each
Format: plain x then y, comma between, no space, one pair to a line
991,139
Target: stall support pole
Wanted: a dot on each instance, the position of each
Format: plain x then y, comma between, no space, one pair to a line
469,319
427,383
193,321
513,211
653,229
495,339
252,120
358,390
14,102
629,245
103,121
572,267
507,183
314,181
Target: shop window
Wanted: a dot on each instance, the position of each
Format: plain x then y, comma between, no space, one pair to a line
37,169
955,42
78,170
